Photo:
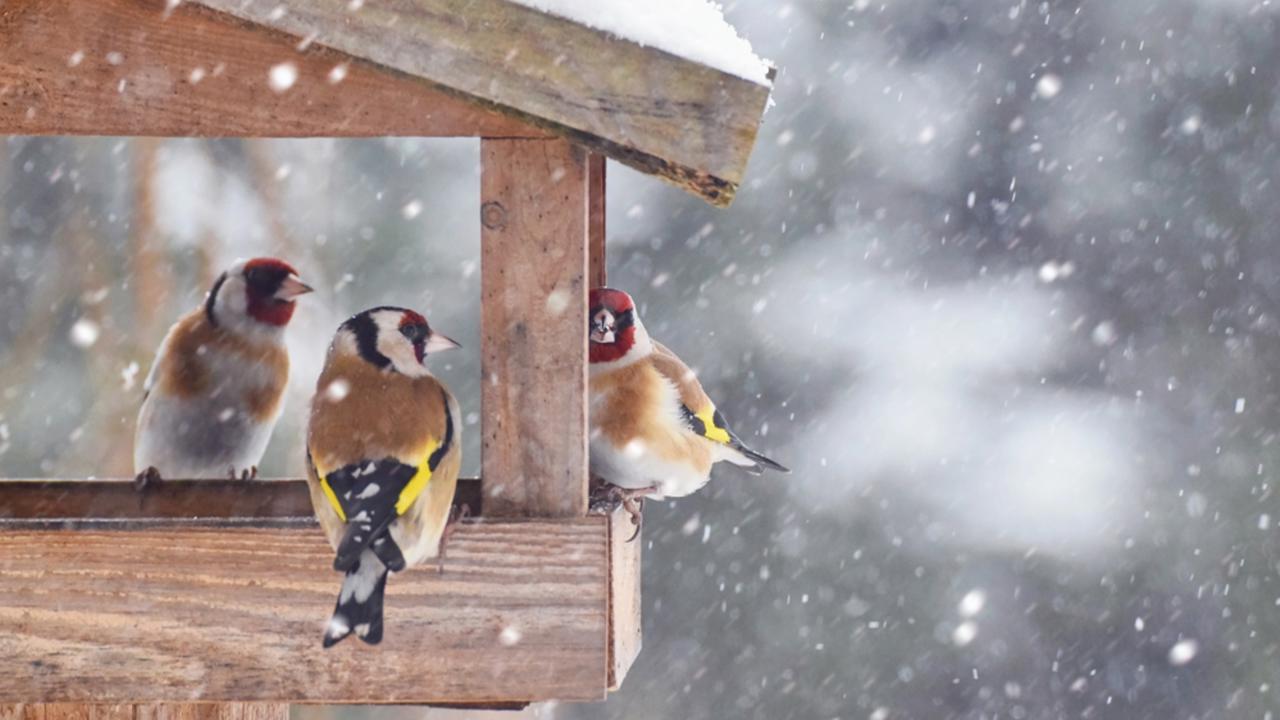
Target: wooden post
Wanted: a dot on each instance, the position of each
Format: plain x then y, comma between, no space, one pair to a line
533,260
596,270
151,711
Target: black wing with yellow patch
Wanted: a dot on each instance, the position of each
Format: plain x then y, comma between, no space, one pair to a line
370,494
364,495
711,425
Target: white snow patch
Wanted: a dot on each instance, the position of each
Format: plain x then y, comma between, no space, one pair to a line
130,375
1104,333
338,73
337,390
1183,651
509,636
281,77
964,633
557,302
1048,86
692,29
972,603
634,449
84,333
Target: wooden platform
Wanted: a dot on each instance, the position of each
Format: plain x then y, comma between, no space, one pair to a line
103,601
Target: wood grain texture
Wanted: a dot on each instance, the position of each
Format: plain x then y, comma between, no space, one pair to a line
131,67
113,502
193,614
533,263
151,711
624,597
596,267
662,114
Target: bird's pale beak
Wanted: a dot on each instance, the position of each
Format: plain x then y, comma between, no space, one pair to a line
437,343
291,288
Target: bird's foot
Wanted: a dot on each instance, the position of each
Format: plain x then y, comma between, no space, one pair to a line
457,514
607,498
147,478
249,473
635,508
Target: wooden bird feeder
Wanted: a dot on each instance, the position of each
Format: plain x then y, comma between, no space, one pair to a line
207,598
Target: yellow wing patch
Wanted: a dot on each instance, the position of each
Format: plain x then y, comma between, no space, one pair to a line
710,430
333,498
419,481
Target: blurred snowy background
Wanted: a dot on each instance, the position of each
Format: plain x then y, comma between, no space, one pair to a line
1001,287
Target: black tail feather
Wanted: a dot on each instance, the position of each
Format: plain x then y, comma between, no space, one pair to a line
762,461
359,607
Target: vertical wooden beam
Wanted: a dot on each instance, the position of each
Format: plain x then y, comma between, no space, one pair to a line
597,271
624,597
149,711
533,332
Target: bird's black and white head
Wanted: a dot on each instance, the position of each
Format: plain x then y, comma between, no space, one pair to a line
394,339
255,296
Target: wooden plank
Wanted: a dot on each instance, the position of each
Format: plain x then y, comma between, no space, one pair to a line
200,614
533,262
114,502
211,711
155,711
624,597
690,124
144,67
596,268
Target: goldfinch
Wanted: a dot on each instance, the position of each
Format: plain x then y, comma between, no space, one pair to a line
653,430
383,452
214,391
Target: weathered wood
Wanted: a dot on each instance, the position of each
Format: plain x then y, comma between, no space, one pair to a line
113,502
153,711
533,262
146,67
596,268
665,115
624,597
200,614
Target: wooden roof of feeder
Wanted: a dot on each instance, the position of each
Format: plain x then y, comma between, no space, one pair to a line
492,68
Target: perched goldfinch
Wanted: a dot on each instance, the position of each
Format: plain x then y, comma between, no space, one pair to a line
383,452
214,391
654,431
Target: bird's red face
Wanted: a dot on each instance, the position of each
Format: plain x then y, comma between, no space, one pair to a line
270,288
611,324
415,329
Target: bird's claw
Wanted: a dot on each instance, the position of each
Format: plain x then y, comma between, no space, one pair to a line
606,498
635,508
249,473
457,514
146,478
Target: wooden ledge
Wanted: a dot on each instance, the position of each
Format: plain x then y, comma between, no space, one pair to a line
195,604
116,503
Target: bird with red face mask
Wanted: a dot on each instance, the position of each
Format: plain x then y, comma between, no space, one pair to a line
654,432
215,388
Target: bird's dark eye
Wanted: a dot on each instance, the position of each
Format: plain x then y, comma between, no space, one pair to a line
415,333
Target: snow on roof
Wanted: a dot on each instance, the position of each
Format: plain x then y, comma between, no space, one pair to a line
692,29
